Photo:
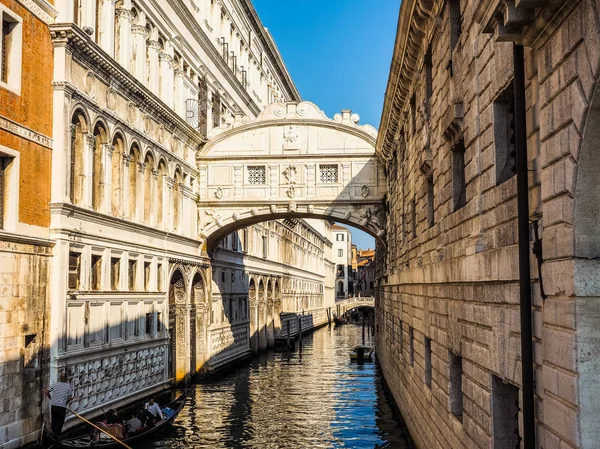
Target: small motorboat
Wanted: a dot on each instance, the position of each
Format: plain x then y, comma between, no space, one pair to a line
82,437
361,353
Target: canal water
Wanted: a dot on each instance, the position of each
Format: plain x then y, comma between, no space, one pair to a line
311,397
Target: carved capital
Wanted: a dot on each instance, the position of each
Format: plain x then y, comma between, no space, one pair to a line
141,167
154,45
108,149
126,160
140,30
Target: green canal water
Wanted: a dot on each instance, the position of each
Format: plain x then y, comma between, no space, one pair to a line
311,397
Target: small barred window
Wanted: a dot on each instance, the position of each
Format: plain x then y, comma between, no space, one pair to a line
256,174
329,173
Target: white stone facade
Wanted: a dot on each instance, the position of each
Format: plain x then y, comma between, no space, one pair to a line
342,258
136,299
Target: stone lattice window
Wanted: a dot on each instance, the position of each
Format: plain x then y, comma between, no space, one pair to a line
328,173
257,174
504,135
459,187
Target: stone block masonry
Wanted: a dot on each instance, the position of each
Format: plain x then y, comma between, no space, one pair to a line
448,296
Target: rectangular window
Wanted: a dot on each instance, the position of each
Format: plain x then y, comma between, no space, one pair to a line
505,414
459,187
339,237
427,344
96,272
265,241
115,272
400,336
428,76
455,27
504,135
75,325
10,49
116,321
340,253
147,275
134,320
149,323
159,325
132,284
159,278
411,348
216,109
455,386
430,204
3,189
74,270
257,174
97,326
245,243
413,115
413,217
328,173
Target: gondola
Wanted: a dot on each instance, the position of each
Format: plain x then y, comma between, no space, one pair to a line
84,437
361,353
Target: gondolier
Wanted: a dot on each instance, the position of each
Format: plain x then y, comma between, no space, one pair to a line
60,394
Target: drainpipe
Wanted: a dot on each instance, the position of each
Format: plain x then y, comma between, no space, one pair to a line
527,382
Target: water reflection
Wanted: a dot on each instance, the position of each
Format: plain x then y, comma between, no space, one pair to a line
308,398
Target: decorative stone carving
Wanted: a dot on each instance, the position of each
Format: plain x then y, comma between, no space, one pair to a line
235,217
131,112
90,84
254,211
216,218
364,191
310,208
291,191
219,193
160,134
147,124
111,98
292,207
290,137
291,174
273,208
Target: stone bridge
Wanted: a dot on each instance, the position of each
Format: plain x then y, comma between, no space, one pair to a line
345,305
291,161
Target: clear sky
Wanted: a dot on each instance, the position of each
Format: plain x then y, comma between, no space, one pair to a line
338,53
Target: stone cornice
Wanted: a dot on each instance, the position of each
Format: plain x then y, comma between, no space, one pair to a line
84,49
524,22
412,23
41,9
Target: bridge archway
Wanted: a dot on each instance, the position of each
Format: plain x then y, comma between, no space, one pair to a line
292,161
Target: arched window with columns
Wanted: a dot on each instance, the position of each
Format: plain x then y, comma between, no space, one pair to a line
134,180
149,196
118,144
78,134
100,138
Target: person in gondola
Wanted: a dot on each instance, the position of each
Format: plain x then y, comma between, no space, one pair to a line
112,417
154,409
134,425
60,394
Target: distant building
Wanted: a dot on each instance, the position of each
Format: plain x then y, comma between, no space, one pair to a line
342,256
364,261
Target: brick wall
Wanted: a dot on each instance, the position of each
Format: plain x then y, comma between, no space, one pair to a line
456,282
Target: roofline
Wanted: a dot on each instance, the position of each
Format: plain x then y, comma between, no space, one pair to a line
272,50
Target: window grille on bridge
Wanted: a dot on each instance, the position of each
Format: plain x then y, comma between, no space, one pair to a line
256,174
329,173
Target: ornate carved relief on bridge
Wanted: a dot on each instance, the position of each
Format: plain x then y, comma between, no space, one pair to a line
291,160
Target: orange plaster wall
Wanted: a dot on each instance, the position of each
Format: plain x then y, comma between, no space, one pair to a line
32,109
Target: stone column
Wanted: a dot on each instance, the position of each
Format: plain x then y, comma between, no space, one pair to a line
152,49
253,326
88,162
187,208
106,33
107,154
179,97
139,36
262,334
88,16
165,61
125,185
167,204
154,186
123,37
139,187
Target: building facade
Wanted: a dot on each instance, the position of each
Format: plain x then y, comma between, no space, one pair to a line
449,328
364,262
136,300
25,247
342,257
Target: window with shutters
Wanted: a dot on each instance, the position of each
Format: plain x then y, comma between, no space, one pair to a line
74,270
504,135
115,272
3,188
216,110
202,105
328,173
10,50
96,272
132,284
257,174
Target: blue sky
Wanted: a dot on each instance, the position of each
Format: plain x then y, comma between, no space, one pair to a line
338,53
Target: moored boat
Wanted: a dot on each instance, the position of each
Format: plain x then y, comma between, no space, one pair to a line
84,438
361,352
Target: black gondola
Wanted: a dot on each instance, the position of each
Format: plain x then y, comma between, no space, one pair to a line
84,437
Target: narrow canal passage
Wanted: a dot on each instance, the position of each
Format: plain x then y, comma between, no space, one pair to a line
308,398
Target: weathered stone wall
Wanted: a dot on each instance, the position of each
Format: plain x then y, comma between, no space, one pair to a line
23,340
453,286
